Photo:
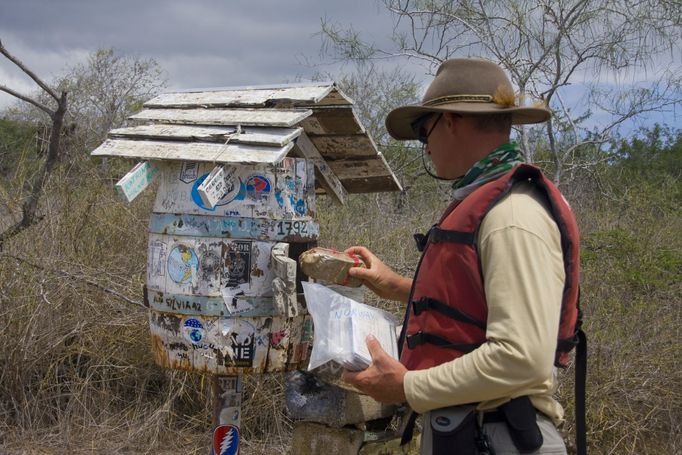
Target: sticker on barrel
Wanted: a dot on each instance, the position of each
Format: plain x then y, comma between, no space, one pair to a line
226,440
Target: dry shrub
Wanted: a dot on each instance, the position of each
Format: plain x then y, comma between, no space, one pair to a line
632,267
77,375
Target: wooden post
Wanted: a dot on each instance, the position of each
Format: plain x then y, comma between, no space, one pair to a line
227,409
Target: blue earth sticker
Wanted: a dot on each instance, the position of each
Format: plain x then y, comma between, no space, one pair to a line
194,330
183,264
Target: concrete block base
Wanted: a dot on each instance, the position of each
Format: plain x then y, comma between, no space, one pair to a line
317,439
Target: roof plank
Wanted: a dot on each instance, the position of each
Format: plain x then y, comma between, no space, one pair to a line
246,97
332,120
371,184
325,175
249,135
193,151
335,147
244,117
360,168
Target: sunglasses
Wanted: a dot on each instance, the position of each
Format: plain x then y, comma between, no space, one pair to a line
419,128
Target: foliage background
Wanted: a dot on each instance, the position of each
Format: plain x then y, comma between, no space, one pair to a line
76,373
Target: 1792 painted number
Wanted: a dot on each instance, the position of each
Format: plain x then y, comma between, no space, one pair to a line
292,227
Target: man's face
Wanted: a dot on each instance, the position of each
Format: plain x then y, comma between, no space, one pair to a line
448,134
438,146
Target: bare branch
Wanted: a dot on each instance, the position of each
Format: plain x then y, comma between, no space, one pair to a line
74,276
46,109
28,72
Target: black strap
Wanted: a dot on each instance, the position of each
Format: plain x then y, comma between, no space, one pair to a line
580,382
567,344
420,338
408,429
437,234
495,416
427,303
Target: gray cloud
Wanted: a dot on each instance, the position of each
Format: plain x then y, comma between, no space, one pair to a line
201,43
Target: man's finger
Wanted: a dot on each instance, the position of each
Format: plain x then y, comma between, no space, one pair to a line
374,348
359,272
348,376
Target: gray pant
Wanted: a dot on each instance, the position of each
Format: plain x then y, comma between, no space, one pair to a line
501,441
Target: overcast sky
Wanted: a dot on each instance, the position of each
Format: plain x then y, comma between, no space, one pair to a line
200,43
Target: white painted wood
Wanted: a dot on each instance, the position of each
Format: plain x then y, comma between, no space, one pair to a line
227,345
135,181
284,283
281,192
249,135
193,151
243,97
244,117
329,180
336,97
209,266
213,188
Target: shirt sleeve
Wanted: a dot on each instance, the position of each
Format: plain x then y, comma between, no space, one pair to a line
522,265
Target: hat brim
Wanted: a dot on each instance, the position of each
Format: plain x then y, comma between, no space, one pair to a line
399,121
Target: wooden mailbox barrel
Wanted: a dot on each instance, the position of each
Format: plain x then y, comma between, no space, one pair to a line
210,272
221,277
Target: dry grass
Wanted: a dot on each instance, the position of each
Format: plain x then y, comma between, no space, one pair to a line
76,374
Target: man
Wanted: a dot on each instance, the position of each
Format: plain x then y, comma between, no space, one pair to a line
493,305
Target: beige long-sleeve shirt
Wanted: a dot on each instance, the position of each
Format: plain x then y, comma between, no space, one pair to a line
522,264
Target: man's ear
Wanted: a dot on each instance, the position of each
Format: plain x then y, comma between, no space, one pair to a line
452,121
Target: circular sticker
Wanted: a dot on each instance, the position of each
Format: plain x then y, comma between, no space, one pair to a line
194,330
235,191
258,187
183,264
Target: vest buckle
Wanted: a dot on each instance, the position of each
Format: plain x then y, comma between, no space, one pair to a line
420,305
423,239
415,340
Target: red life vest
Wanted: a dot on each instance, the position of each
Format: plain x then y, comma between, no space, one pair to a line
447,311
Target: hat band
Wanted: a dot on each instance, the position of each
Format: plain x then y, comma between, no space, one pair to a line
459,99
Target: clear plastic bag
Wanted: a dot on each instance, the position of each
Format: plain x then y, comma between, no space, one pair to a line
341,327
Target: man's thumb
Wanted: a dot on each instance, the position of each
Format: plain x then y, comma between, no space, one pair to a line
374,347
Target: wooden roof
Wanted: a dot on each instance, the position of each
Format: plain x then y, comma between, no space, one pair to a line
257,125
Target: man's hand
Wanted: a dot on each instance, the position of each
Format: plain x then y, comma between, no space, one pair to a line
378,277
383,380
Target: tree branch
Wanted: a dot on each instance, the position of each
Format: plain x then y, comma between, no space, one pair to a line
28,72
46,109
75,276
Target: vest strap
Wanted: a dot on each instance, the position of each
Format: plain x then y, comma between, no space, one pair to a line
567,344
437,234
580,386
420,338
427,303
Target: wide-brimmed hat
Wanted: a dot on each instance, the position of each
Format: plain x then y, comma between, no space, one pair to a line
465,86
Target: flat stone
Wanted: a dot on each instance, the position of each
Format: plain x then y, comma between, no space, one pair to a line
391,446
316,439
310,399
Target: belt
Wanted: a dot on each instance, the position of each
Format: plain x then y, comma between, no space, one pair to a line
494,416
